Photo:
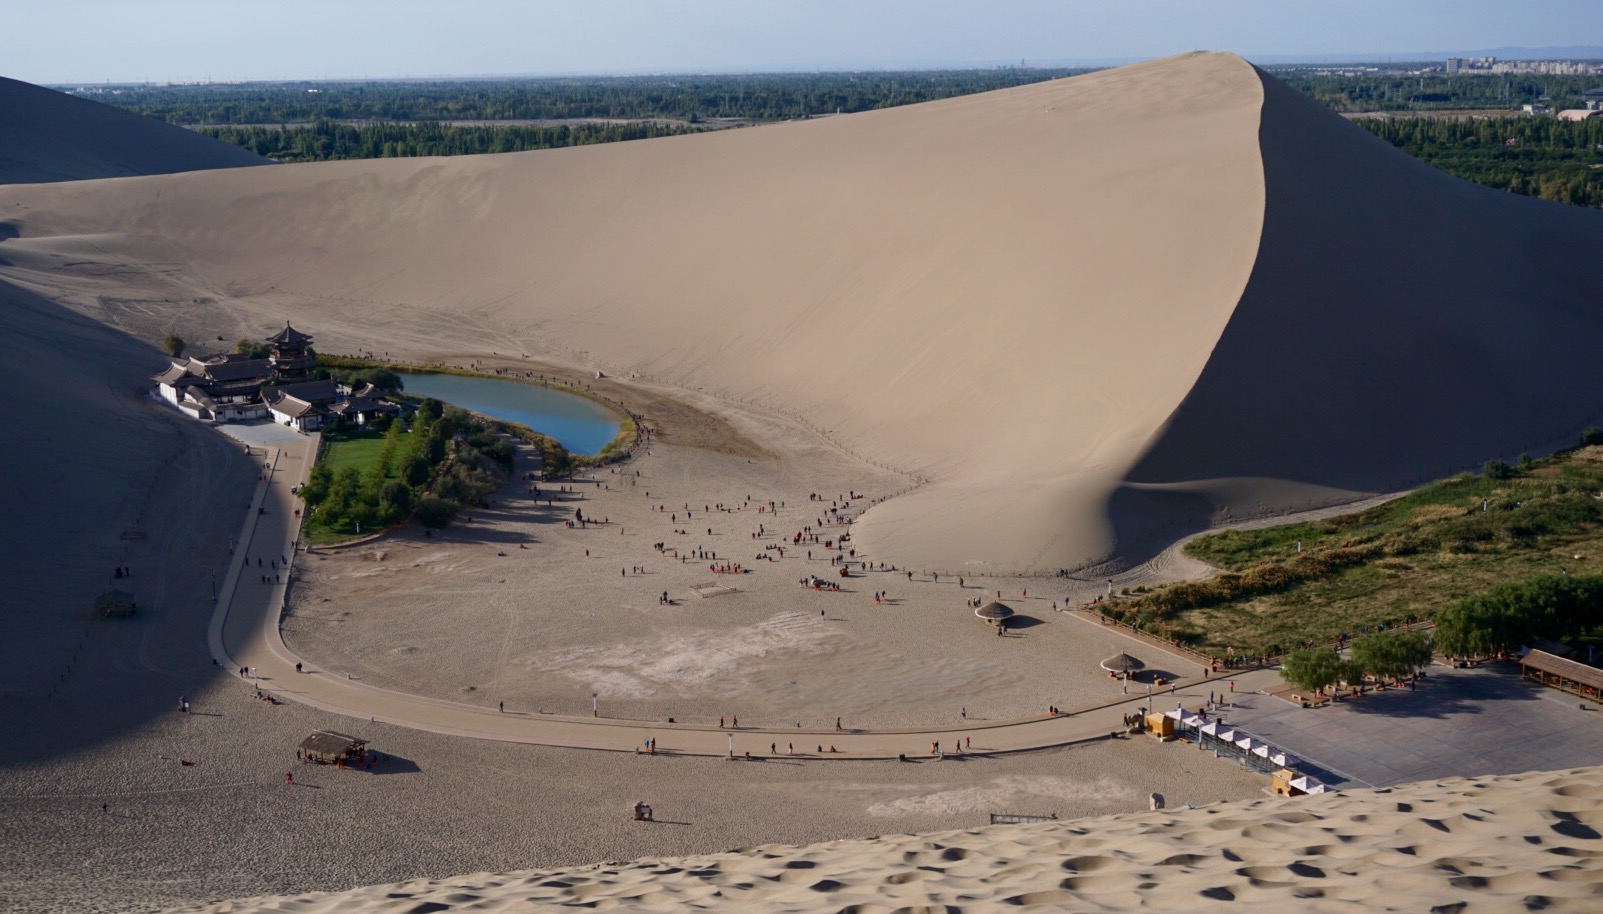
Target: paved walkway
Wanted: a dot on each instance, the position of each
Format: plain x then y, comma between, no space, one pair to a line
245,633
1467,722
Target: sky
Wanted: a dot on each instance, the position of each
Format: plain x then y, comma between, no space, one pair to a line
85,41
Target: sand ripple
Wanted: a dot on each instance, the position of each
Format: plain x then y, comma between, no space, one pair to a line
1488,844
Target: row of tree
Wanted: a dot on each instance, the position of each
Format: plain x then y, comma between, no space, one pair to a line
325,140
1536,156
1562,606
1400,92
1385,655
765,97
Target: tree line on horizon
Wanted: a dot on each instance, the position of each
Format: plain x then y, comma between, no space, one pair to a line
327,140
1351,94
1535,156
1540,157
690,98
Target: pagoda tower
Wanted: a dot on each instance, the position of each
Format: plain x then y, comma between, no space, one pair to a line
290,359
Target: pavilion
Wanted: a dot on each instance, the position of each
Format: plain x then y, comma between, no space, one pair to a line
281,387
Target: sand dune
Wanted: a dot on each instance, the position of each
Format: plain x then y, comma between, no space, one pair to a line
1528,842
50,136
1094,314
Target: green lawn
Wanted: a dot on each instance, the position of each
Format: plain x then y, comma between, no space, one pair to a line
354,449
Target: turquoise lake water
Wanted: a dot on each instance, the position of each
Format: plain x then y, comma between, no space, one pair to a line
583,426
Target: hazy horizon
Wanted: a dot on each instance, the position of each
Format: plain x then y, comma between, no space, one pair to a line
98,41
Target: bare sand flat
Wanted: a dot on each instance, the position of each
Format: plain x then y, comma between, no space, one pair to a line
1526,842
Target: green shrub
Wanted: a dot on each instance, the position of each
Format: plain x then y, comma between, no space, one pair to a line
434,511
1497,469
1313,670
415,471
396,497
1592,436
173,345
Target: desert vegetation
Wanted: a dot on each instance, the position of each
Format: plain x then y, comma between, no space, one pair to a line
1415,558
433,465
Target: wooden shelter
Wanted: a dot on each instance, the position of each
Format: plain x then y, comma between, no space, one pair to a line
994,612
1568,675
327,747
116,603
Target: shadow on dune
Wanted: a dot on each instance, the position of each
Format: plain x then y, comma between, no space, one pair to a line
107,478
1389,335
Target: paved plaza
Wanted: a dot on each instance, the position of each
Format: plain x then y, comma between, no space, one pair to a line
1466,722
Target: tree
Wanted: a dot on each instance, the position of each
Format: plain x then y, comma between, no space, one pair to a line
415,470
251,349
434,446
344,492
1313,670
1497,469
434,511
317,485
388,450
1514,613
173,345
386,380
1592,436
429,410
396,498
1392,656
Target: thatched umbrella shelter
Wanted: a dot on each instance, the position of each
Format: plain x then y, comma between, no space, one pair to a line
1122,663
994,612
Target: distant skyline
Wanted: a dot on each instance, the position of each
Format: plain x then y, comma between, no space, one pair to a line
90,41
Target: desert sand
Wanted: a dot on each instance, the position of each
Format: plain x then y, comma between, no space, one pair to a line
1091,315
1528,842
51,136
1061,326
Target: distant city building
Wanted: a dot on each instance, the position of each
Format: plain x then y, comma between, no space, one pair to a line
1536,108
1454,64
233,388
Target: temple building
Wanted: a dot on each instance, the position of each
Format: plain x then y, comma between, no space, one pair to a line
281,387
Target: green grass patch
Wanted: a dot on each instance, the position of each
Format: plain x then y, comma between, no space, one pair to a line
1392,563
358,449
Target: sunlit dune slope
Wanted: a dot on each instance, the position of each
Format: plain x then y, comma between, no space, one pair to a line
47,135
1093,313
1526,842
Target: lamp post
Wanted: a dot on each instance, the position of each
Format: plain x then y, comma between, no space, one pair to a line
731,745
593,697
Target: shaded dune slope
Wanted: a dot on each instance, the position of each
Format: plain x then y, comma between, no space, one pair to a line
48,136
1399,325
1093,314
1527,842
